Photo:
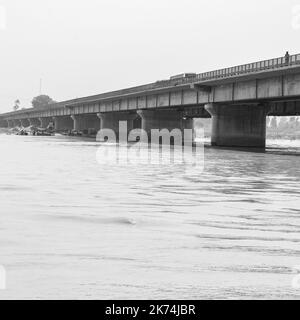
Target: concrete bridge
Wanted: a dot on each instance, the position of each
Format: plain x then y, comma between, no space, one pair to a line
237,98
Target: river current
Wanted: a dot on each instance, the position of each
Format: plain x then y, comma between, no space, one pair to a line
71,228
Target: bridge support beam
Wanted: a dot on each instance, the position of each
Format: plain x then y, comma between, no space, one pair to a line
63,123
238,125
86,122
10,123
34,122
3,123
110,120
17,123
25,123
165,119
45,121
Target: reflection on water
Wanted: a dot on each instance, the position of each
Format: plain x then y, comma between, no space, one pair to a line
70,228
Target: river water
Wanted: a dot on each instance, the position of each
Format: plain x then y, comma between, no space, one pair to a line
71,228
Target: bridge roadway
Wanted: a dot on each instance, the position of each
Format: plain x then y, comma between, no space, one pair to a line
238,99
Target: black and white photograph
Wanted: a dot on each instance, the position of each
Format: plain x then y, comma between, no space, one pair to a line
149,151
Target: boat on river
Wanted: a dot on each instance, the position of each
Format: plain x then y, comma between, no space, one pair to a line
33,131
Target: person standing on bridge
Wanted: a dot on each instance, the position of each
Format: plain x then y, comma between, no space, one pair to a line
287,58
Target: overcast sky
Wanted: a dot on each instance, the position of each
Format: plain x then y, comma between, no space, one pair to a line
81,48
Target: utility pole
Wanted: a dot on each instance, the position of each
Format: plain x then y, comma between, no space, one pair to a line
40,87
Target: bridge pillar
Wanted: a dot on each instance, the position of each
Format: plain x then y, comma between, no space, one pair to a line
110,120
25,123
45,121
3,123
165,119
17,123
238,125
34,122
63,123
86,122
10,123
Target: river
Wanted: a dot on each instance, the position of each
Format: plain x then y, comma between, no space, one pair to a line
73,229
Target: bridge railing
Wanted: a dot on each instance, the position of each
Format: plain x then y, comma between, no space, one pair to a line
276,63
271,64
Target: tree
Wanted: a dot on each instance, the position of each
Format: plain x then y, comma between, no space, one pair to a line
273,123
17,105
284,123
41,101
297,122
293,123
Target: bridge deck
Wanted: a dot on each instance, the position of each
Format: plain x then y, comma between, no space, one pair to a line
244,71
